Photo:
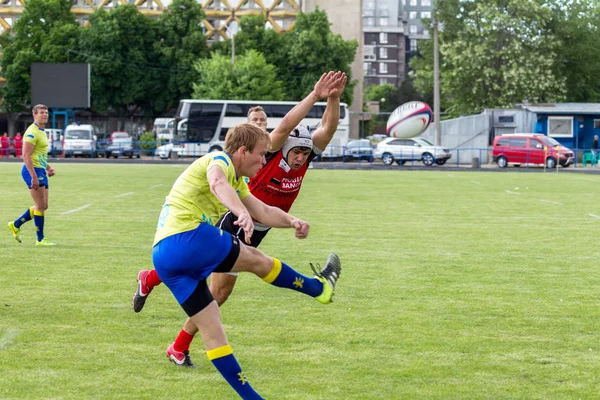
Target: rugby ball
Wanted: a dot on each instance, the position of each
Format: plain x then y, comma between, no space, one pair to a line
409,120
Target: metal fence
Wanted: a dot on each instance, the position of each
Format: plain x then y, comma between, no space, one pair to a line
460,157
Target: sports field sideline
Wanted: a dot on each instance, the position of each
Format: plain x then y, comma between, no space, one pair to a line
455,285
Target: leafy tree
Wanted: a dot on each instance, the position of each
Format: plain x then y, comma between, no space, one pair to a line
45,32
250,78
576,25
300,56
181,44
311,49
393,96
120,46
494,53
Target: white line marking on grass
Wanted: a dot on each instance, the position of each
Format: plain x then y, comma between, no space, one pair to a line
475,182
124,194
551,202
451,176
594,216
8,338
509,192
155,186
76,209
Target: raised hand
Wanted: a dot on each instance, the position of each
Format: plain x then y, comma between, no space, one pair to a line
339,86
326,83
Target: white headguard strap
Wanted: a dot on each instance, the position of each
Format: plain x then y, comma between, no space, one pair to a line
299,137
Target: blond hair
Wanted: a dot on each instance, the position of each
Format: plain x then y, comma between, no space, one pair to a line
256,109
244,135
38,107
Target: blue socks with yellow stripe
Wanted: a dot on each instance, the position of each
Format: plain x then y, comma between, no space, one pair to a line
38,220
27,216
225,362
283,276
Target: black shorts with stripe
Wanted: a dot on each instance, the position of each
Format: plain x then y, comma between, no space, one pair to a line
226,224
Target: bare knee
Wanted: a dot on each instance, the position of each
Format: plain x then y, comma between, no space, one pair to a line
221,294
221,287
253,260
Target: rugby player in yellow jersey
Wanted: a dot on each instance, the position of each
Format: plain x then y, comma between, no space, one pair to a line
35,172
188,247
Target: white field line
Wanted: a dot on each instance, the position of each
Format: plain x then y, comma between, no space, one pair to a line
594,216
475,182
124,194
508,191
155,186
451,176
551,202
8,338
76,209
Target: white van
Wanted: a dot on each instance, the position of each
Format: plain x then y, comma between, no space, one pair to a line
80,140
164,128
55,137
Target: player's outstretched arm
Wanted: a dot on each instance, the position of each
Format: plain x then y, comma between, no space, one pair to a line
322,88
331,117
275,217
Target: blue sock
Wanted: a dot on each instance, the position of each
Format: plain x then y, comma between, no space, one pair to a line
38,220
284,276
225,362
27,216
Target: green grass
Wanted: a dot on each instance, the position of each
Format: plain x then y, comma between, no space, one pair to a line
456,285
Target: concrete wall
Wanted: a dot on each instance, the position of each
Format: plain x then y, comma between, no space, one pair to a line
470,134
345,17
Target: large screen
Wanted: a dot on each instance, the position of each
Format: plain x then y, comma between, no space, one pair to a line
60,85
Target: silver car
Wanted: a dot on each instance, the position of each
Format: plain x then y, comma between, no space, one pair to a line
413,149
359,149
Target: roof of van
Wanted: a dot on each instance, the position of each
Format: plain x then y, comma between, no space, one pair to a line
522,134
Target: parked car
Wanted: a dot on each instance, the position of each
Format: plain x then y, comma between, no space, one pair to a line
530,149
164,151
359,149
121,144
413,149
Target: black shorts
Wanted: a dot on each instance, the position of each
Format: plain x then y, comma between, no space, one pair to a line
226,224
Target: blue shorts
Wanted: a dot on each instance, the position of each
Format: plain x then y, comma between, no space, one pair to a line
185,259
41,175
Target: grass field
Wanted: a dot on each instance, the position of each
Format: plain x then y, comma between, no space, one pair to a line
455,285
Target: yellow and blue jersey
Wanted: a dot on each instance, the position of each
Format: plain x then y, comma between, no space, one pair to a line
190,201
37,137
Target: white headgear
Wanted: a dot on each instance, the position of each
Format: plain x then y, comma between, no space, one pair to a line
299,137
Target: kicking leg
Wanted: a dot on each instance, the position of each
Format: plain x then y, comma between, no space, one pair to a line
273,271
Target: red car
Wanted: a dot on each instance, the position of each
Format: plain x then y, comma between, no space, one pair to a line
530,149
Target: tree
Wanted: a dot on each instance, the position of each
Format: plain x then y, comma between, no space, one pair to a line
181,44
576,24
251,78
120,46
300,56
494,53
45,32
392,96
311,49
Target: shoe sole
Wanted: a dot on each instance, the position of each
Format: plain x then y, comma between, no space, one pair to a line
174,360
138,300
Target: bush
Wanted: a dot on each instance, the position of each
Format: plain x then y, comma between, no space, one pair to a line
148,144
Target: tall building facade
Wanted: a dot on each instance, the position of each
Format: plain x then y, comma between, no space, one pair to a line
391,31
413,12
384,51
